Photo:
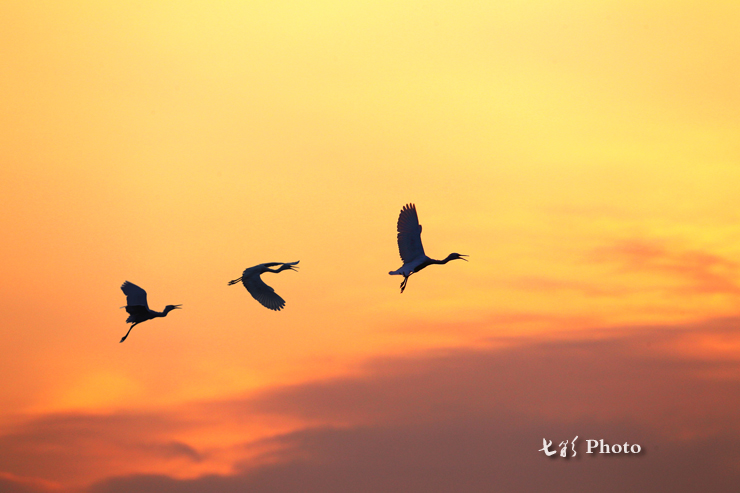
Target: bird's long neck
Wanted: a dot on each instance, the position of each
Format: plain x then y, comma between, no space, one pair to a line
452,256
164,313
430,261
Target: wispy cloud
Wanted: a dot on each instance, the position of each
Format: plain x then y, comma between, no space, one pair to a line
696,271
75,447
11,483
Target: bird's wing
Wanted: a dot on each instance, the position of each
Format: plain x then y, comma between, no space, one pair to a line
134,295
409,234
263,293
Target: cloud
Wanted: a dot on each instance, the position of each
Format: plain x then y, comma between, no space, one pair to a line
76,447
473,420
700,272
446,420
10,483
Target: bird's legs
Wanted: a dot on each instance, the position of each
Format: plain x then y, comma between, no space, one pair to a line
403,284
129,331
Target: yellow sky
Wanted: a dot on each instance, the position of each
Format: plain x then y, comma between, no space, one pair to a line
584,154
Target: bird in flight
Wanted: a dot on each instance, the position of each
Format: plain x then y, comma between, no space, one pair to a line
137,307
257,287
410,248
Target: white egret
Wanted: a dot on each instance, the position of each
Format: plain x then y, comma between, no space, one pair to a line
257,287
410,248
137,307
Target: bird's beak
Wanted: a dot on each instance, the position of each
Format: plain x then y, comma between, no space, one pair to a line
461,257
178,306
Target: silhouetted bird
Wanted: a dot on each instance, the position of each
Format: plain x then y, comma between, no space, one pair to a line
137,307
257,287
409,246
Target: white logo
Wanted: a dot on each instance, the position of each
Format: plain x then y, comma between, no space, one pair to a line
603,448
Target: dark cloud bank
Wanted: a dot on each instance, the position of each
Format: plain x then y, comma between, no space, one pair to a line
473,421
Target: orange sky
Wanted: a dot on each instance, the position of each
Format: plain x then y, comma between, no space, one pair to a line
583,154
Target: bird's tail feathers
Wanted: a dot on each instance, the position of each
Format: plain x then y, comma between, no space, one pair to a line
235,281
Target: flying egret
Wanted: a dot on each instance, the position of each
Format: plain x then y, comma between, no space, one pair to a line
137,307
257,287
410,248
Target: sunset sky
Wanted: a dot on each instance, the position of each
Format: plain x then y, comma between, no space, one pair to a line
585,155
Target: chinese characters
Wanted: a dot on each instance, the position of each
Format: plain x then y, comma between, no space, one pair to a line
563,451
